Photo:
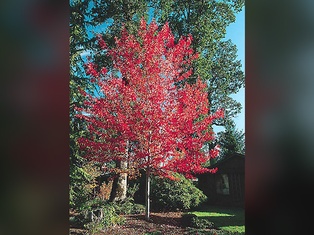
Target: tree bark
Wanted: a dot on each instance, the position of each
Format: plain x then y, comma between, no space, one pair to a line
147,194
119,186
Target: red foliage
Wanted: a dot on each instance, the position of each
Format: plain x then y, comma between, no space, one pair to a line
144,109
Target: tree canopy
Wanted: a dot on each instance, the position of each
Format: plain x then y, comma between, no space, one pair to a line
146,114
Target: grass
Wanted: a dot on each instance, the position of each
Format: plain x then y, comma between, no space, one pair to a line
227,219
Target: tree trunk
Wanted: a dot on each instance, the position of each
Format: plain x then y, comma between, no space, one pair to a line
119,186
147,194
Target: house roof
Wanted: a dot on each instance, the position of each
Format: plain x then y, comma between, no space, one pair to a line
231,156
223,161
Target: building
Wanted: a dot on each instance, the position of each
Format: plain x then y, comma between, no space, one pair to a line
226,186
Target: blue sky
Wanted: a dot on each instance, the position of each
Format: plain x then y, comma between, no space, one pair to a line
236,32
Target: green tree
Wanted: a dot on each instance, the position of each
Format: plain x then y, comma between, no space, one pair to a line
80,170
107,19
231,140
207,21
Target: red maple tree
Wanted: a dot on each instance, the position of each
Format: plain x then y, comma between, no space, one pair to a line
148,116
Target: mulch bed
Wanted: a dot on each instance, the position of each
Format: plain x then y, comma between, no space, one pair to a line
167,223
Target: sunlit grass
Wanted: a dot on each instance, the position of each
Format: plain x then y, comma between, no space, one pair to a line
209,214
228,219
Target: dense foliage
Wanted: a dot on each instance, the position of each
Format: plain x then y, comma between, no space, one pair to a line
230,141
174,195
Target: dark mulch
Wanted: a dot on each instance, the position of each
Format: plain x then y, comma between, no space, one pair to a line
167,223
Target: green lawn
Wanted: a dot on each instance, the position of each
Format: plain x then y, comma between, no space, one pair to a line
227,219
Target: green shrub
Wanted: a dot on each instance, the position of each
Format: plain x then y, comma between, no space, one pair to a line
100,224
92,205
93,227
123,207
128,207
170,195
191,220
138,209
98,215
201,223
